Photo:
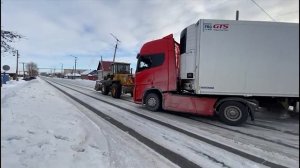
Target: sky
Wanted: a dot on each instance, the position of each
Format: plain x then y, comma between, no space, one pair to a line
56,31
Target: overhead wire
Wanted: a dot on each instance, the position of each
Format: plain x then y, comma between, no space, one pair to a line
262,9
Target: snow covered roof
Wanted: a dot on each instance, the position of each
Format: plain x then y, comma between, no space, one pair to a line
87,72
70,74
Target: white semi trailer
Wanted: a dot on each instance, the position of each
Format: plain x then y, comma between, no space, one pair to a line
244,58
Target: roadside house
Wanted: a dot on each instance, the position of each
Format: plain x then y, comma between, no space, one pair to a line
89,75
104,68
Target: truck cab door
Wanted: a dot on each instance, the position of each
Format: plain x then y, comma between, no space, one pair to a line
143,77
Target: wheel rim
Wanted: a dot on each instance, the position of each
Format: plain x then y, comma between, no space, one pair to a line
151,102
233,113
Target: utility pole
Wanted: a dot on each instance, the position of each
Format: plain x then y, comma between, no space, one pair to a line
23,69
102,68
75,64
73,73
237,15
117,41
17,65
62,67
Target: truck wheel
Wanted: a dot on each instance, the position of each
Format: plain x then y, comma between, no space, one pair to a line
116,90
105,90
233,113
153,102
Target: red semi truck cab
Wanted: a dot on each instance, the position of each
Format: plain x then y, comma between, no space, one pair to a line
157,83
157,67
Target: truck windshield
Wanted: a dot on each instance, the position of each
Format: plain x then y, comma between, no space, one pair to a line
149,61
144,63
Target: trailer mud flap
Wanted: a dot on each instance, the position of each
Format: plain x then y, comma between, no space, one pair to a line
251,109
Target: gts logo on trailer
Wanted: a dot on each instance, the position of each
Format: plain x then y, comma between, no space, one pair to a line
215,27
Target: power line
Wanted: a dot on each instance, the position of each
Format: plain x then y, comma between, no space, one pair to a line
263,10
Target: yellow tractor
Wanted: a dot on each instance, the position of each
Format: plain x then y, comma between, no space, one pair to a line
120,81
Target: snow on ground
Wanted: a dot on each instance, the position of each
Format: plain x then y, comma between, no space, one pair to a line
81,82
258,147
42,128
11,85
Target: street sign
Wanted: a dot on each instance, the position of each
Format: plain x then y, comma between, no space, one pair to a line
5,67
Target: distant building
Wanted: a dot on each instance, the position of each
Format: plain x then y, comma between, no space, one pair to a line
71,71
73,76
104,68
90,75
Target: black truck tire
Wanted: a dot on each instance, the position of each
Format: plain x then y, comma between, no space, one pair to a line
105,90
153,102
233,113
116,90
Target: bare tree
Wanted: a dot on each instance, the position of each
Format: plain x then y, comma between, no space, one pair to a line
6,38
32,69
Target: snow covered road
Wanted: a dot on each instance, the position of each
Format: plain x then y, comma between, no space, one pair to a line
41,128
203,142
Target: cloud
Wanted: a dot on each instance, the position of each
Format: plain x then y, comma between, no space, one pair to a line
57,29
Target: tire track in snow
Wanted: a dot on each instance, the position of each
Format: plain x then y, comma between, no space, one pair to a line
241,132
236,131
272,128
257,125
87,88
172,156
201,138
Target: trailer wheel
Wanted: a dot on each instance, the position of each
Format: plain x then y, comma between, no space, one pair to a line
233,113
116,90
153,102
105,90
